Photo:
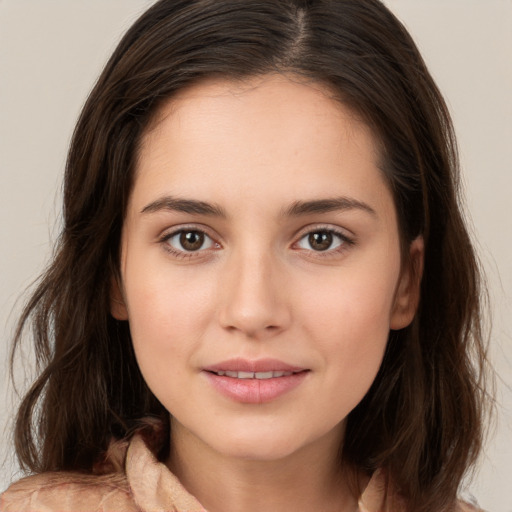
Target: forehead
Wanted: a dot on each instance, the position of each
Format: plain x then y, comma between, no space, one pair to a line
251,90
287,102
273,131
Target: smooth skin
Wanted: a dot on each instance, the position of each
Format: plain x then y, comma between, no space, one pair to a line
260,226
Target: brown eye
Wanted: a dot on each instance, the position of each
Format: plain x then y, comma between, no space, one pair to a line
323,240
189,241
320,241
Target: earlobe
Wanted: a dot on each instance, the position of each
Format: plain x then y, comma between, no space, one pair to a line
407,296
117,304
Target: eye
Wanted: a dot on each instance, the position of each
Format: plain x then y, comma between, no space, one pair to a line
189,240
322,240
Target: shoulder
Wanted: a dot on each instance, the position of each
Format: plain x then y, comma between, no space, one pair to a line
68,491
380,495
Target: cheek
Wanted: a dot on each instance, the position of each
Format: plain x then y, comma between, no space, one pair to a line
352,304
349,318
163,298
168,316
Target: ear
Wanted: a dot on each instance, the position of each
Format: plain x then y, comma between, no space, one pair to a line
117,303
407,295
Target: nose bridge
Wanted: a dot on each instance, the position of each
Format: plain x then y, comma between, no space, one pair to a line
254,296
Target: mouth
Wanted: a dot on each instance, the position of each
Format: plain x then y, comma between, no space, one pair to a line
254,375
255,382
257,368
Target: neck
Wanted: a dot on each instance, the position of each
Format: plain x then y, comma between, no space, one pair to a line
309,479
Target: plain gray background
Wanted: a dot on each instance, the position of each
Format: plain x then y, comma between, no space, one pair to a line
51,51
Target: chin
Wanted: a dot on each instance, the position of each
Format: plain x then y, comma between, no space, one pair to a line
260,449
267,443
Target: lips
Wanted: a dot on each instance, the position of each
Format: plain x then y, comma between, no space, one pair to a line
254,382
254,366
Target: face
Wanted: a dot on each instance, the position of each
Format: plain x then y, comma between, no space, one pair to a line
260,268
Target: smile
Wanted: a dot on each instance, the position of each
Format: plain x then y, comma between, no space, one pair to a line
253,375
254,382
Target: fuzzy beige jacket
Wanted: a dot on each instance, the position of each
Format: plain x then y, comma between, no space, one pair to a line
139,483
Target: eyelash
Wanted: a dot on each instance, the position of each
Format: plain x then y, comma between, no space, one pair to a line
344,242
184,254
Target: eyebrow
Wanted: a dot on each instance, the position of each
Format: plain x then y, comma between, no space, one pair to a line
299,208
192,206
296,209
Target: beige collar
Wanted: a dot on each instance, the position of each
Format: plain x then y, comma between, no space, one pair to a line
156,489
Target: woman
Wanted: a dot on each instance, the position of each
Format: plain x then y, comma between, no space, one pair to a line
264,295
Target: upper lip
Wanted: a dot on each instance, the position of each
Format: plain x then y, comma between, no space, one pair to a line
258,365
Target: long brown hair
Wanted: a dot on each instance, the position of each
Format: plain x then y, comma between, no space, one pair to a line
422,418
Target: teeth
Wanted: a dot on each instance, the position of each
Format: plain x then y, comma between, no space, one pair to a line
264,375
253,375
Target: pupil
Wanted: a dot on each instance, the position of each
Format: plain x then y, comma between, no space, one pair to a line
191,240
320,241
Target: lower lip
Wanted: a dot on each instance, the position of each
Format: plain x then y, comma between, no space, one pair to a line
255,391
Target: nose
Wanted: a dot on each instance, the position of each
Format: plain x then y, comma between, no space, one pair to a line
254,301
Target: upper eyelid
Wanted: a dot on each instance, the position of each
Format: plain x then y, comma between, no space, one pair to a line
311,228
174,230
167,234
